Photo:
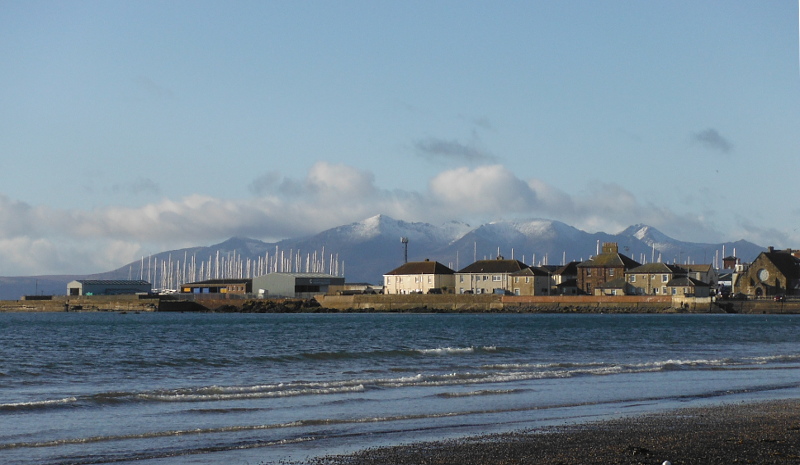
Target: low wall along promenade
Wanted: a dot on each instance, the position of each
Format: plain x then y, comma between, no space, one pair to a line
402,303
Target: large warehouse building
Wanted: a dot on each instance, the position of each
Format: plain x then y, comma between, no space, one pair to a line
107,287
298,285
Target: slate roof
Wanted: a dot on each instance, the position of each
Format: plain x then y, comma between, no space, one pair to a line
785,262
570,269
499,265
610,260
113,282
698,268
655,268
426,267
219,282
531,271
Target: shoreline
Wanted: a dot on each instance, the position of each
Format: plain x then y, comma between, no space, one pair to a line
764,432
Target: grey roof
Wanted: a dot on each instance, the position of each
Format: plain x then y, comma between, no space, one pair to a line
426,267
113,282
610,260
304,275
658,268
499,265
531,271
220,282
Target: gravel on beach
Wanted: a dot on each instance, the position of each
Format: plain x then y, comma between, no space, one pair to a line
742,433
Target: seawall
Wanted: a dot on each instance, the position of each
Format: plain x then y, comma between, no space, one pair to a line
402,303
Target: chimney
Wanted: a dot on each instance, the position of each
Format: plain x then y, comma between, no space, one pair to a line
610,247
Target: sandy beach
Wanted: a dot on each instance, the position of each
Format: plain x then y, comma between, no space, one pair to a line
751,433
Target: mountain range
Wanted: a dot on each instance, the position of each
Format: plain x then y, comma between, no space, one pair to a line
363,251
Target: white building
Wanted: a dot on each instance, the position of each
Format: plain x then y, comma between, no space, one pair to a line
419,278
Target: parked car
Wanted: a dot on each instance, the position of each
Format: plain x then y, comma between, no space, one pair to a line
779,298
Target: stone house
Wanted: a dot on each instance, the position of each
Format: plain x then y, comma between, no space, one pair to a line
419,278
653,278
688,287
606,266
619,286
530,281
487,276
704,273
772,273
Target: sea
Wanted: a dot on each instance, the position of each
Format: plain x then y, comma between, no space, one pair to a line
201,388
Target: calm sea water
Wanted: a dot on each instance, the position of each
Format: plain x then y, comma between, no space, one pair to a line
227,389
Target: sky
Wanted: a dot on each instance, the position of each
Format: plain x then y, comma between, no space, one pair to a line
131,128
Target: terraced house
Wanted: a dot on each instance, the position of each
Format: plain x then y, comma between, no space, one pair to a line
653,278
487,276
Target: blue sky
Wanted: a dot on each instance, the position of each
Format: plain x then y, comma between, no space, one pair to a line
128,128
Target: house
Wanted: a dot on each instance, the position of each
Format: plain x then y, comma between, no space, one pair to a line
703,273
606,266
652,278
487,276
108,287
772,273
688,287
219,286
530,281
565,279
419,278
295,285
619,286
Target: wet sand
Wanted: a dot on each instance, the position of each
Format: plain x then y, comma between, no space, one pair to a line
757,433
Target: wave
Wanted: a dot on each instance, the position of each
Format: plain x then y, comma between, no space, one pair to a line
481,392
462,376
37,405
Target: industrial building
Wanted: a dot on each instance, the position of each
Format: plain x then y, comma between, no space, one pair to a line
296,285
107,287
219,286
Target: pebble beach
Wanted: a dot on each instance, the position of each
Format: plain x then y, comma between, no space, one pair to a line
740,433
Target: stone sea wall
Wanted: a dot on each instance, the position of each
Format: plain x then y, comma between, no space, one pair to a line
401,303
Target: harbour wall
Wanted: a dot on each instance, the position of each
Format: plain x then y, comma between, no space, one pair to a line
402,303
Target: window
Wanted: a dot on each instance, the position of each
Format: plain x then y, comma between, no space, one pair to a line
516,280
589,272
664,278
664,290
495,278
527,280
633,278
516,291
430,279
461,278
611,271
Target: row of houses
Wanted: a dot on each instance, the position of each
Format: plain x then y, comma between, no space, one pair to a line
772,273
608,273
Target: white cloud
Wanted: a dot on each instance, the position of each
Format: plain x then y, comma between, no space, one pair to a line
42,240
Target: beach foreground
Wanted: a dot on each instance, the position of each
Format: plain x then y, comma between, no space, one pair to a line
758,433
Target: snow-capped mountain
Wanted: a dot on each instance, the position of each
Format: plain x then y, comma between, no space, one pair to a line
363,251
